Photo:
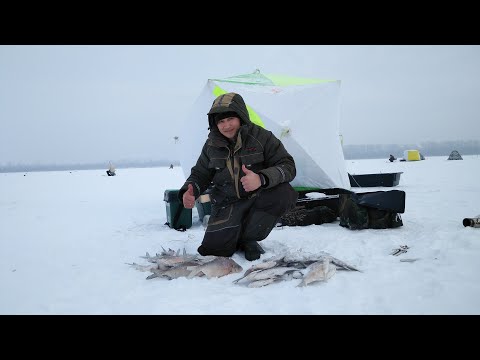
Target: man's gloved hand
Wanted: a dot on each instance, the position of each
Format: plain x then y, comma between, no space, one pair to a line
189,198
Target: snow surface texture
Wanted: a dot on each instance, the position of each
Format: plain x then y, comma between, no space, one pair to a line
65,237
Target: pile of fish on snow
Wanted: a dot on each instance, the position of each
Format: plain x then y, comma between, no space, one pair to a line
171,264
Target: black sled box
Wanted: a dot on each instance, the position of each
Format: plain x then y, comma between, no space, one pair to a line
374,180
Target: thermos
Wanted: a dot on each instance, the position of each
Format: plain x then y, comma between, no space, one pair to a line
473,222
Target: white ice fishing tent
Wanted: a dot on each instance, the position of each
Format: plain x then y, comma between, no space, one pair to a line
303,113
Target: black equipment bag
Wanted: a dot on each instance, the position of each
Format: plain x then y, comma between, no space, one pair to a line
303,216
372,210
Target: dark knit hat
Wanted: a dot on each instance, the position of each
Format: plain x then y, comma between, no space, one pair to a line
224,115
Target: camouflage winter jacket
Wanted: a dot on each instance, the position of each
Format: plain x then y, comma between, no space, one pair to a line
221,160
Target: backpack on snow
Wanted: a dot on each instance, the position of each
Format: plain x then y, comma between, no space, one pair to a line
372,210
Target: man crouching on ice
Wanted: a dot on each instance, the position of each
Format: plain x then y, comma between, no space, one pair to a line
250,170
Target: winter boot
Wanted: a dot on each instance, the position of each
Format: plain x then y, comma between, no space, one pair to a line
252,250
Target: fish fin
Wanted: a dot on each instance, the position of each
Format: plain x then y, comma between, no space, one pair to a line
237,280
193,271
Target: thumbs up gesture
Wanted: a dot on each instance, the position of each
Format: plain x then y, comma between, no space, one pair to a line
251,181
189,198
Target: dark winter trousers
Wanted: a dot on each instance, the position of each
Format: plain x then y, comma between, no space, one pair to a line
246,220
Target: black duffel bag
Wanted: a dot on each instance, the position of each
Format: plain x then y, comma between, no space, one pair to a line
372,210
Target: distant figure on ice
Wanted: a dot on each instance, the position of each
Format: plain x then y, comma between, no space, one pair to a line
392,158
171,166
111,170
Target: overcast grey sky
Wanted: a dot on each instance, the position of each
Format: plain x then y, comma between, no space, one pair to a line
64,104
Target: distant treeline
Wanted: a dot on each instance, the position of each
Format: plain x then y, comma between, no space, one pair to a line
379,151
86,166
